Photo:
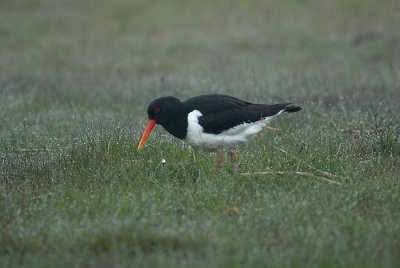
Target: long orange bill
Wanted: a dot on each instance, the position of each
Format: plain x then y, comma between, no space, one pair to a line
146,134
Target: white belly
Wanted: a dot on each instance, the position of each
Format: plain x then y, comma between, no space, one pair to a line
226,140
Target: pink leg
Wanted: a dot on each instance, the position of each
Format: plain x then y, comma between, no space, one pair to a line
234,159
218,161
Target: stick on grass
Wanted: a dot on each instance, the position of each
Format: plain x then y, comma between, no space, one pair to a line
291,173
33,150
320,172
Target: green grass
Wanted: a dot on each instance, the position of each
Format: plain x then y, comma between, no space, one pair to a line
75,81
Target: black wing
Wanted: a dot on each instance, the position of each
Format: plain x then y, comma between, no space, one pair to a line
221,112
213,103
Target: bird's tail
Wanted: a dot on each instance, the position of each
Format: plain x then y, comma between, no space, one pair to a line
291,108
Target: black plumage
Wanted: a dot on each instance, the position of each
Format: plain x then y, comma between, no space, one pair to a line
219,112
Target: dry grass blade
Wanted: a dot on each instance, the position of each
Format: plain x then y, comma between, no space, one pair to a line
357,131
291,173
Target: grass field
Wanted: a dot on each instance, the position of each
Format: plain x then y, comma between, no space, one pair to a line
75,81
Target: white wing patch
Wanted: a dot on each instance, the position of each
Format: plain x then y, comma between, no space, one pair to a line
226,140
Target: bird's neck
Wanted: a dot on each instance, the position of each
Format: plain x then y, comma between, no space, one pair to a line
178,126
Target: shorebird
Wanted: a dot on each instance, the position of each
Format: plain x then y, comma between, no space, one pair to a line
213,123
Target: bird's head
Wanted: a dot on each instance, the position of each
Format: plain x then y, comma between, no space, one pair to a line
160,111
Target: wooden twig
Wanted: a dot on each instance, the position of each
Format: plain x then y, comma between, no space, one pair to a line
290,173
321,172
33,150
273,128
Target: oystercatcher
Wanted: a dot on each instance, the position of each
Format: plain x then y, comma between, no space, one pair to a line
214,123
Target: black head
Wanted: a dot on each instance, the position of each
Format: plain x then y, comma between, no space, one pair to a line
164,109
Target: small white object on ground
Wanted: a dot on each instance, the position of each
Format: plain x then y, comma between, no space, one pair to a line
163,161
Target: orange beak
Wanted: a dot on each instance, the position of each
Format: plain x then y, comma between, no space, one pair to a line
146,134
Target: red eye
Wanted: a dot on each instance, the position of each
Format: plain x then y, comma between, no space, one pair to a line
156,110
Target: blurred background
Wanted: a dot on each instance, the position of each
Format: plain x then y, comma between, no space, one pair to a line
64,63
